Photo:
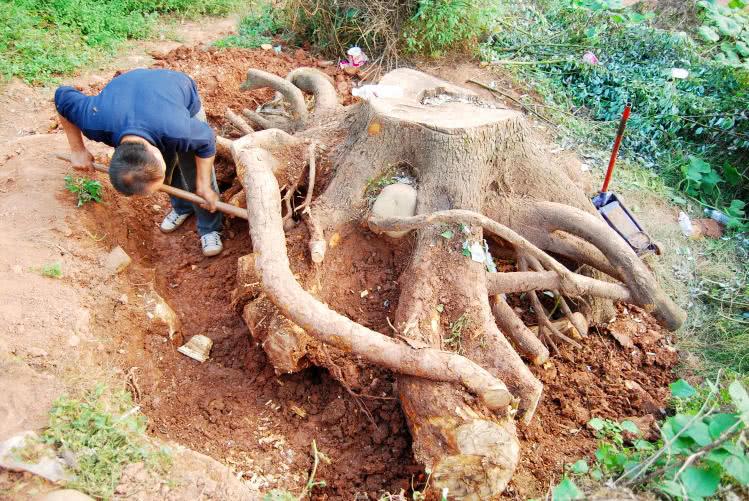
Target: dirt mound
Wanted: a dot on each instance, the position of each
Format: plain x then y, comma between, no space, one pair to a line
235,409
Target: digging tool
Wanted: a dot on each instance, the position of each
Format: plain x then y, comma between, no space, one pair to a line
612,208
176,192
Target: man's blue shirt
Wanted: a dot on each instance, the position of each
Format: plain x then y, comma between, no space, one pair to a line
157,105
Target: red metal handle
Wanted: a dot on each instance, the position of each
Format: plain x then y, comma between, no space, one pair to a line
617,143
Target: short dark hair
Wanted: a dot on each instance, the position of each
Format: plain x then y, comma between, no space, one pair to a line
133,168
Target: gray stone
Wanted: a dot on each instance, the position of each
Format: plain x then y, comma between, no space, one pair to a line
395,200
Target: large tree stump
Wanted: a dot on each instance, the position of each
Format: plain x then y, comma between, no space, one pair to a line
480,173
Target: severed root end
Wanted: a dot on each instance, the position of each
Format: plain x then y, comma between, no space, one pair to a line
498,397
489,454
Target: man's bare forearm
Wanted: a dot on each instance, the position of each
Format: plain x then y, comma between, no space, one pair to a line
73,133
204,172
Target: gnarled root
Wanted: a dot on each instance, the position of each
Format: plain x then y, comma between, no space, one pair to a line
522,337
257,79
465,160
317,83
639,279
262,122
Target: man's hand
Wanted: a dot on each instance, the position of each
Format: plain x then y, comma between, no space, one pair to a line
82,160
210,196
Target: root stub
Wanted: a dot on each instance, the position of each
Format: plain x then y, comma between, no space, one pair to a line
454,335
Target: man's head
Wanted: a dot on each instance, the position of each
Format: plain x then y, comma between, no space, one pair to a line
137,168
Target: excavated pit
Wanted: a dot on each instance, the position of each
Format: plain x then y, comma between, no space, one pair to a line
235,409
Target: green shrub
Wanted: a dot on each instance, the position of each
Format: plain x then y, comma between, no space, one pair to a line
441,25
701,448
383,27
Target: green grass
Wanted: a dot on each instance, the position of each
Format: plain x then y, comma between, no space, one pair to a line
257,28
52,270
41,40
104,431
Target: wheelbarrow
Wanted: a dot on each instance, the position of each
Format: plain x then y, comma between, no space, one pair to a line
613,210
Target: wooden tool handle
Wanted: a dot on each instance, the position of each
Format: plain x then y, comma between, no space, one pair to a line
176,192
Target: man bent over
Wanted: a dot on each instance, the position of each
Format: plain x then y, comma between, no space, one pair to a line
154,120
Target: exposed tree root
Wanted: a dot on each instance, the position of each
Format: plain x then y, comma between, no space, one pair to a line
318,84
257,79
524,281
238,122
262,122
522,337
271,261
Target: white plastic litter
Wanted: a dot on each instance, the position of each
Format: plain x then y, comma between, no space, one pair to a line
685,224
477,252
489,260
679,73
368,92
47,464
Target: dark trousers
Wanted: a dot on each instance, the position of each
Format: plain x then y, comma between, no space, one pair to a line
181,172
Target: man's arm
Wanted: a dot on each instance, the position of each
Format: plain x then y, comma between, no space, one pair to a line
79,155
203,184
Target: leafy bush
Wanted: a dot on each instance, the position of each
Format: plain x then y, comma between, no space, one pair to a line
701,447
383,27
40,39
694,129
440,25
729,26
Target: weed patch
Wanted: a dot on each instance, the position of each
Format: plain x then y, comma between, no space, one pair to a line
85,189
104,432
51,270
701,448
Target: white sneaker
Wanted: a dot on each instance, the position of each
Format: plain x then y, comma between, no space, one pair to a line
172,221
211,243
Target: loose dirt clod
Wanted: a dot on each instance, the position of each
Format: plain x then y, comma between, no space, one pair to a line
116,261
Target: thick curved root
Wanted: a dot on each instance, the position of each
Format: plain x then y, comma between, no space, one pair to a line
639,279
317,83
640,282
257,79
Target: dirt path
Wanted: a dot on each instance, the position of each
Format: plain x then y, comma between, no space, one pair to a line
64,334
